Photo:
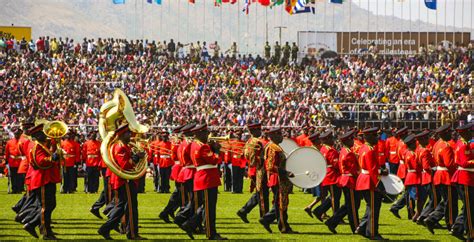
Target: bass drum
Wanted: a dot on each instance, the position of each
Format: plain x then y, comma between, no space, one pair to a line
308,165
288,145
393,184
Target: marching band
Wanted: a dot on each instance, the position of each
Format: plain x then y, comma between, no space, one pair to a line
435,174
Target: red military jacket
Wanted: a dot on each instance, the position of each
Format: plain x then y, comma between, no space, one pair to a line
72,152
155,152
424,156
91,153
12,153
122,155
237,156
402,169
23,145
252,153
42,170
357,145
273,155
391,145
444,157
165,156
349,168
464,158
176,169
188,170
414,168
300,140
207,174
368,179
332,165
382,151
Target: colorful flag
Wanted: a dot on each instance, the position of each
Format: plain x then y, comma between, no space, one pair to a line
246,7
276,3
192,1
337,1
118,1
306,9
264,2
158,2
431,4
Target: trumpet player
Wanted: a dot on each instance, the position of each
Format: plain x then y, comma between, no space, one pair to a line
165,162
125,190
253,152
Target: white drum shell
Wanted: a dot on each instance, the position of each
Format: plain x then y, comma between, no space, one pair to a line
308,165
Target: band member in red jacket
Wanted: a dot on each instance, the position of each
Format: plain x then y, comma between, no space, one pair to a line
279,183
464,178
14,157
425,157
155,153
207,179
401,172
93,160
165,163
125,190
253,152
369,185
391,145
44,173
330,182
443,154
349,168
413,177
72,157
177,198
238,163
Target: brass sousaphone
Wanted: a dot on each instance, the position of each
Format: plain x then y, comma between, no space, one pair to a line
112,114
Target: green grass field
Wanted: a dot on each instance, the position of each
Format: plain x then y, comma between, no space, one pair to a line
75,222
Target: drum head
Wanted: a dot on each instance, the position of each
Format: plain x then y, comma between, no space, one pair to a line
393,184
308,165
288,145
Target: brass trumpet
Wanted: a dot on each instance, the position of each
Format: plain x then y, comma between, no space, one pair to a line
219,139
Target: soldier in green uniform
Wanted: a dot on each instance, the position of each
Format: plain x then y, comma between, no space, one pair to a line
294,52
267,51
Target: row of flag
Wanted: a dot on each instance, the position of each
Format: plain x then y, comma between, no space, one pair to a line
291,6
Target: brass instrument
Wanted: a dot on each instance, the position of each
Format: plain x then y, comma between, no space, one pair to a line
219,139
55,130
112,114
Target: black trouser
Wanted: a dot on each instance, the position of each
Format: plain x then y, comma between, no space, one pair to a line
237,179
74,178
68,179
350,208
277,212
370,222
127,204
206,212
165,173
17,180
141,184
17,207
194,201
393,168
434,199
92,179
227,178
174,202
46,195
156,177
464,222
256,200
448,207
30,209
104,197
401,202
332,201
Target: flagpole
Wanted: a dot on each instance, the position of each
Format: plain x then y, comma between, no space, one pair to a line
385,23
266,24
358,31
419,27
220,25
349,48
160,35
454,22
204,22
238,23
187,23
376,22
436,27
368,22
256,29
342,31
401,25
427,30
462,22
143,21
179,26
393,24
445,19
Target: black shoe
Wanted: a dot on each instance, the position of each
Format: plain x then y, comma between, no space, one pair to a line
459,236
16,209
50,237
140,238
96,213
421,221
243,216
430,225
318,216
188,230
218,237
265,225
104,234
289,231
378,237
308,211
165,218
360,231
330,227
31,230
395,212
18,218
171,215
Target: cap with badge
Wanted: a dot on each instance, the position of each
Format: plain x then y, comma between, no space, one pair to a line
254,126
465,128
370,130
423,134
348,135
314,136
199,128
401,131
122,129
326,135
409,139
274,130
444,128
188,128
178,129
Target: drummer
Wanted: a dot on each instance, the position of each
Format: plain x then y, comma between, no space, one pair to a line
413,177
316,191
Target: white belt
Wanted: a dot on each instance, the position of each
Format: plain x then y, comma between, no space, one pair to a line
381,153
364,171
155,155
349,174
434,168
393,152
236,156
177,162
402,162
205,167
190,166
440,168
466,169
411,171
92,156
68,156
17,157
329,166
165,156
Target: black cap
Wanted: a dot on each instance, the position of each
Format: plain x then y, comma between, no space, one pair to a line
187,129
200,127
314,136
326,135
254,126
422,134
410,138
370,130
121,129
465,128
443,128
274,130
401,131
178,129
348,135
36,129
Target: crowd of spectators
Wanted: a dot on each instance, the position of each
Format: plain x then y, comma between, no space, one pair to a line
173,83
